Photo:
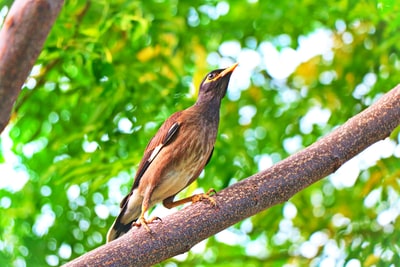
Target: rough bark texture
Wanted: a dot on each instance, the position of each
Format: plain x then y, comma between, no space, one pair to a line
21,39
180,231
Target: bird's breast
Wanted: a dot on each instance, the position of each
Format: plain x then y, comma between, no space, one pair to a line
181,162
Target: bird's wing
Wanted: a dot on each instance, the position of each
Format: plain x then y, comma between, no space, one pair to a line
209,157
163,137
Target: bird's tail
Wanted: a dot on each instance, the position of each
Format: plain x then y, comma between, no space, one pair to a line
118,229
123,223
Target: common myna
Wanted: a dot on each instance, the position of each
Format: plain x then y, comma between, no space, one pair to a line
175,156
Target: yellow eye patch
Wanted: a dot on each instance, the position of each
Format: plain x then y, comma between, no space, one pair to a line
213,76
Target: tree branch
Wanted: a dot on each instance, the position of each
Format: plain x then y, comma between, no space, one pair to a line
21,39
178,232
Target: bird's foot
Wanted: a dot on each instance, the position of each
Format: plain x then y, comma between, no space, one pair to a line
142,221
200,197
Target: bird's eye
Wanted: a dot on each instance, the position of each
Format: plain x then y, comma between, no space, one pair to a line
211,76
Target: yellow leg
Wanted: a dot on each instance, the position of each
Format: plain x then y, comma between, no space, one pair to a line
141,220
170,203
200,197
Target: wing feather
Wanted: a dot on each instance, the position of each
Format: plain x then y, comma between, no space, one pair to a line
165,135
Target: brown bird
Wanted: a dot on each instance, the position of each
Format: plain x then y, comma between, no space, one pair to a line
175,156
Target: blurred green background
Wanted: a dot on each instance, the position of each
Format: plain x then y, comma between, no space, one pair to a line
112,71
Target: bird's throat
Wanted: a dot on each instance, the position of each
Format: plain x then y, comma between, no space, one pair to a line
209,109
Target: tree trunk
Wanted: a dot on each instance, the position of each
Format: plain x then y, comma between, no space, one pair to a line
21,39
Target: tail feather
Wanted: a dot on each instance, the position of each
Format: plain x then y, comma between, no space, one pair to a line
130,212
118,229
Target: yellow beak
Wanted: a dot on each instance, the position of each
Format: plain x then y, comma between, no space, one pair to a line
227,70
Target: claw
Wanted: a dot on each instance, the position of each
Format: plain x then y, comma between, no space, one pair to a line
211,191
142,221
200,197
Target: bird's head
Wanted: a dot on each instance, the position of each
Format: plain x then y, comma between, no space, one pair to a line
215,84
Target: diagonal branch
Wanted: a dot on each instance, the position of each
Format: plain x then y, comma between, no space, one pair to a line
178,232
21,39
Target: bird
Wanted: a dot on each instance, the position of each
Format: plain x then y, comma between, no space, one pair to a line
175,156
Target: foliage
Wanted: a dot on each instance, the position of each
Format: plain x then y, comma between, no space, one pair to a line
112,71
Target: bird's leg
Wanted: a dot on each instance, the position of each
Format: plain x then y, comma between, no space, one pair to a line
200,197
170,203
142,220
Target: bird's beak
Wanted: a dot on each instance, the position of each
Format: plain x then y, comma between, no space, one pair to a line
222,73
228,70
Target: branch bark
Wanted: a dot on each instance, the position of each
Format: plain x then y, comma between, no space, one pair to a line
21,39
178,232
